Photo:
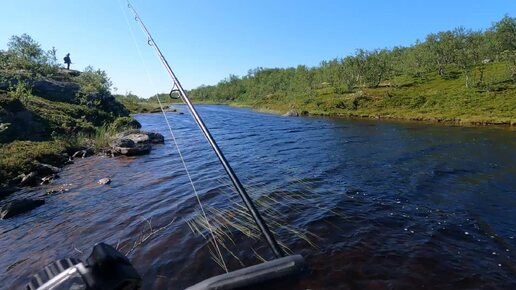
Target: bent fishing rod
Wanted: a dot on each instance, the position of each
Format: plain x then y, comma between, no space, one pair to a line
177,87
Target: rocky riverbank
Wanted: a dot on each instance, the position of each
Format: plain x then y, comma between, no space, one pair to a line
127,143
49,116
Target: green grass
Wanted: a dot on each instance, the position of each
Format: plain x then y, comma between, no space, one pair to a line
233,222
142,107
431,99
37,130
23,156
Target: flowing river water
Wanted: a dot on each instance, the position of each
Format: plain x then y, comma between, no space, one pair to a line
370,204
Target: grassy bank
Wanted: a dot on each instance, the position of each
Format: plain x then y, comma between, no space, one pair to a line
47,113
427,99
460,75
137,105
43,131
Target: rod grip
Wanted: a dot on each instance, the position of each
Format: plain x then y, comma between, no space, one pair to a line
253,275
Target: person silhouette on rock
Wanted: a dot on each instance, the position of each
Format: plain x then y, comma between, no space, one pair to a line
67,61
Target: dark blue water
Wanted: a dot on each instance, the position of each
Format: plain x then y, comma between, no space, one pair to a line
371,205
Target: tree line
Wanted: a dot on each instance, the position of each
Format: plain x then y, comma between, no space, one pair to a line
448,54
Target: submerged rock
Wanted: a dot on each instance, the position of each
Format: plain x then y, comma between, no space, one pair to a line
135,142
19,206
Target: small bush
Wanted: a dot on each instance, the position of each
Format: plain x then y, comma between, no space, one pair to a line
26,54
123,123
94,81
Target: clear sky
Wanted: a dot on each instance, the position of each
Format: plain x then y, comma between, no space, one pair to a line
206,40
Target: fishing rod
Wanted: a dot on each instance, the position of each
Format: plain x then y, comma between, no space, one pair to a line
177,87
107,268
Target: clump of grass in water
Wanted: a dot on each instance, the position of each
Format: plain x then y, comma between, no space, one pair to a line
274,204
102,136
98,140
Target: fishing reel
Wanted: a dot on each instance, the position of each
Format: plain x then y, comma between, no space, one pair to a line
108,269
105,268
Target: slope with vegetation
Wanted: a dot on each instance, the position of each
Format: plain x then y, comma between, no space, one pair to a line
46,112
461,76
137,105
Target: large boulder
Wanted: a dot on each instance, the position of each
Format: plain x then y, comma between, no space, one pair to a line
108,103
135,142
57,91
48,88
19,206
69,72
19,123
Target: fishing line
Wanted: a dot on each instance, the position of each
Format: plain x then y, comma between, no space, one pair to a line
150,42
260,222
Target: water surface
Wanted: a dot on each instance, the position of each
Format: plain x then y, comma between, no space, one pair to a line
371,205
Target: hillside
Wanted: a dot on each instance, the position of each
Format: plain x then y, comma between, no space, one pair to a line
460,76
47,113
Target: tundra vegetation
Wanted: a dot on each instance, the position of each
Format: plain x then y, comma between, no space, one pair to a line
461,76
47,113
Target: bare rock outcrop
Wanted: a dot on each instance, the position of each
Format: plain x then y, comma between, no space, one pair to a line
135,142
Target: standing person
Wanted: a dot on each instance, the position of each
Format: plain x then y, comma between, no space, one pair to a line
67,61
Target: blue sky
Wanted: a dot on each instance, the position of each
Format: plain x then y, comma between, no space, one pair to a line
205,40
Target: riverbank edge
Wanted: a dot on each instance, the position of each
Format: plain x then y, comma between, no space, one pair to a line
474,122
56,155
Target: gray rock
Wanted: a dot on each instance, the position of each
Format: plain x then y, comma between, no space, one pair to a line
138,138
19,206
23,124
70,72
104,181
56,90
292,113
59,189
138,149
156,138
107,103
45,169
83,153
122,142
134,142
4,126
48,179
128,132
29,179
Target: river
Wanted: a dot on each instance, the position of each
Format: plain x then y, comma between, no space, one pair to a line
370,204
